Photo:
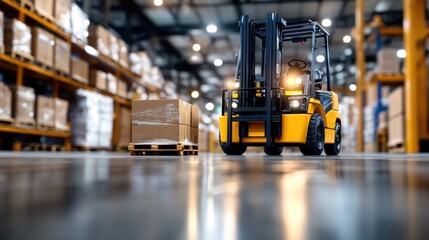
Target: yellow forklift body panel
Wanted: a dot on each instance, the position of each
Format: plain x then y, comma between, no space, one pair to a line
294,130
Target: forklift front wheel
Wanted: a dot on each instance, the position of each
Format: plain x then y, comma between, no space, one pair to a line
315,136
234,149
273,150
334,149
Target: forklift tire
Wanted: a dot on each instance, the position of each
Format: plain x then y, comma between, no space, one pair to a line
235,149
273,150
315,136
334,149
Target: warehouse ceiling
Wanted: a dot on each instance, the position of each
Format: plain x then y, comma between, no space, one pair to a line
168,33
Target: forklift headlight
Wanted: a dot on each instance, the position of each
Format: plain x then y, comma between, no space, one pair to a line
298,81
234,104
294,104
297,104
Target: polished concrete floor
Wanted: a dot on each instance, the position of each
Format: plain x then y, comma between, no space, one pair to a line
213,196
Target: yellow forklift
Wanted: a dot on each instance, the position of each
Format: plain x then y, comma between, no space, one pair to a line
270,109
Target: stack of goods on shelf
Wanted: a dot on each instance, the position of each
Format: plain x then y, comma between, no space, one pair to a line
164,122
45,8
79,24
62,56
396,136
387,61
151,76
98,79
45,115
61,111
92,120
99,38
112,83
62,12
43,45
23,106
348,124
124,127
122,89
156,80
123,54
17,38
79,70
5,103
1,32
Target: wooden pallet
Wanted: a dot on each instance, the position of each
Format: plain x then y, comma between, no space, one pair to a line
39,147
90,149
45,127
26,4
24,124
398,147
43,14
21,56
162,149
44,66
61,72
6,121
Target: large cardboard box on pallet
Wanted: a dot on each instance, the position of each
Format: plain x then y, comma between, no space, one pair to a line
175,111
396,136
79,70
61,112
387,61
62,56
396,102
195,116
43,46
5,103
17,38
161,134
45,112
98,79
45,8
23,105
62,13
99,38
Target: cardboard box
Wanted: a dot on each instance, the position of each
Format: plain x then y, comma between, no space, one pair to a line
125,127
43,46
123,54
45,109
5,102
61,111
396,102
23,104
45,7
62,13
112,83
146,112
62,56
99,79
194,135
1,32
160,134
79,70
122,89
195,116
99,38
79,24
114,47
17,37
396,130
388,62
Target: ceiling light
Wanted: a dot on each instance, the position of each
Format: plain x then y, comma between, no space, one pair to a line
196,47
326,22
320,58
195,94
195,58
352,87
348,51
158,3
347,39
210,106
211,28
218,62
401,53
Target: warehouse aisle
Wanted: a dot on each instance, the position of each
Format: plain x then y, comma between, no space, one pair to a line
114,196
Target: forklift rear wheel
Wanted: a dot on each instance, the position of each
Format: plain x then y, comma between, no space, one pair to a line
334,149
234,149
315,136
273,150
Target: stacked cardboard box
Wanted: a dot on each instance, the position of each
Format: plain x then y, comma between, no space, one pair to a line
92,119
387,61
43,46
161,122
140,63
99,38
45,112
79,24
396,134
62,56
79,70
123,54
195,122
23,104
122,89
61,111
5,102
99,79
114,48
1,32
112,83
45,7
62,12
125,127
17,37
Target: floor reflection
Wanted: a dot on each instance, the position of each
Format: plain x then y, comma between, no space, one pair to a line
110,196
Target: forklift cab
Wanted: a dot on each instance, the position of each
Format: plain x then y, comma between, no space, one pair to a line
275,109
